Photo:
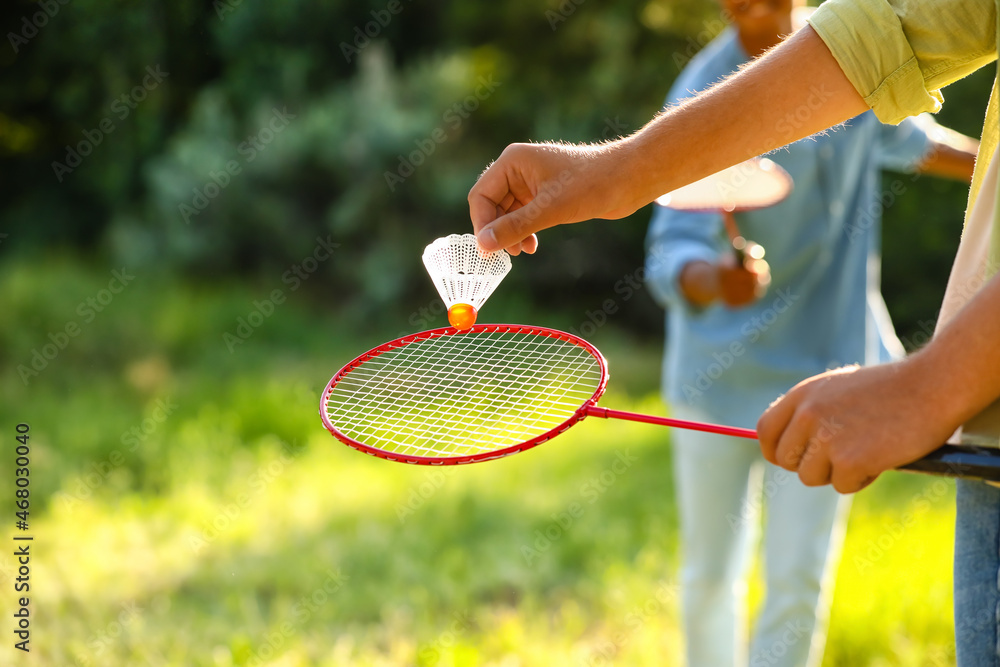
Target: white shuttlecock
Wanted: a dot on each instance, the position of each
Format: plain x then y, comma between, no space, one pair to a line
464,275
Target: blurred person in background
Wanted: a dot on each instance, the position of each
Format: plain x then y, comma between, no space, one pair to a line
734,344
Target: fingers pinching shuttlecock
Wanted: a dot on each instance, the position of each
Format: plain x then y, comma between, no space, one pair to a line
464,275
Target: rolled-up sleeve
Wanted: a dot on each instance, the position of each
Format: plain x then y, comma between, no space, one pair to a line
898,54
674,239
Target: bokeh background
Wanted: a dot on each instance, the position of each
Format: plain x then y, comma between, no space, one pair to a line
208,207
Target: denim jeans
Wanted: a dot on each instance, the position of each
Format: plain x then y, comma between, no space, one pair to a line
977,565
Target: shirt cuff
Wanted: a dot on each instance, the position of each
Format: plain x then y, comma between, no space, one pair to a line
868,43
663,272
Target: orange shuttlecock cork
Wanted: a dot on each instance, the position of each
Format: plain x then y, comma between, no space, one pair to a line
462,316
464,275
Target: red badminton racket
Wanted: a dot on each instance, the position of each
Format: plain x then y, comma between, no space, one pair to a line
445,397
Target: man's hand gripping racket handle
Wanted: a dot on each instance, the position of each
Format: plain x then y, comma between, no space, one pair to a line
948,460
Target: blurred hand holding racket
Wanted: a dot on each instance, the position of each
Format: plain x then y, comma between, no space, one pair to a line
734,280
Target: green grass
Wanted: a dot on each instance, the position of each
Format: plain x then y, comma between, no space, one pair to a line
238,532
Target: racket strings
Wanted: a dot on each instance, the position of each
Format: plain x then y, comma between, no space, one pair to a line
496,411
457,395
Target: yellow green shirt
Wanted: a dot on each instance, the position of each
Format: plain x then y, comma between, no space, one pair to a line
900,53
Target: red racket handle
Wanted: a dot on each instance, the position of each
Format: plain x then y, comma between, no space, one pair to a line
676,423
950,460
731,228
736,239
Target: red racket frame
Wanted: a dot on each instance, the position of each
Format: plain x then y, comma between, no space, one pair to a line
589,407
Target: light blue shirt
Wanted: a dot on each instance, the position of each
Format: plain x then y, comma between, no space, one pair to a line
823,308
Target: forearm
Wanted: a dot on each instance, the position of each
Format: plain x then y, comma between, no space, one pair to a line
952,155
795,90
958,369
